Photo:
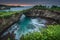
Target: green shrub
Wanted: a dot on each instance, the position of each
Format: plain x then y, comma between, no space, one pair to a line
52,32
8,39
8,14
41,7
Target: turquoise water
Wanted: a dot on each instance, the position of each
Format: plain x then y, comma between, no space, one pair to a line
25,25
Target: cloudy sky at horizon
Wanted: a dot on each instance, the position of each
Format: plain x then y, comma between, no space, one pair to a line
34,2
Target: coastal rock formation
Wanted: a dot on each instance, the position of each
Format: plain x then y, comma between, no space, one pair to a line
54,15
6,23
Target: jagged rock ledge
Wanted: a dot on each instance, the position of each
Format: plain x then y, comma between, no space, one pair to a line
6,23
51,16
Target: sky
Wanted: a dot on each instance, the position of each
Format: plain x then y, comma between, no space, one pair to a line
31,2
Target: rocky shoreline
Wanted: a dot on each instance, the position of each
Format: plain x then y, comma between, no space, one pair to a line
49,15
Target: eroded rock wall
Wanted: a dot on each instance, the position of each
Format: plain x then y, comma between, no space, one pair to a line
44,13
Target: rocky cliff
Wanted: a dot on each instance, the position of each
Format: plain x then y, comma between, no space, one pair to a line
53,15
6,23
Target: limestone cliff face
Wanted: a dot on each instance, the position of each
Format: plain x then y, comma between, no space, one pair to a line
6,23
44,13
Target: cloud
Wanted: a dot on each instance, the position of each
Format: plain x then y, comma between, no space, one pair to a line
57,2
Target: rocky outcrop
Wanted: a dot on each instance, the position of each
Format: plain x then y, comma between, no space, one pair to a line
54,15
6,23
